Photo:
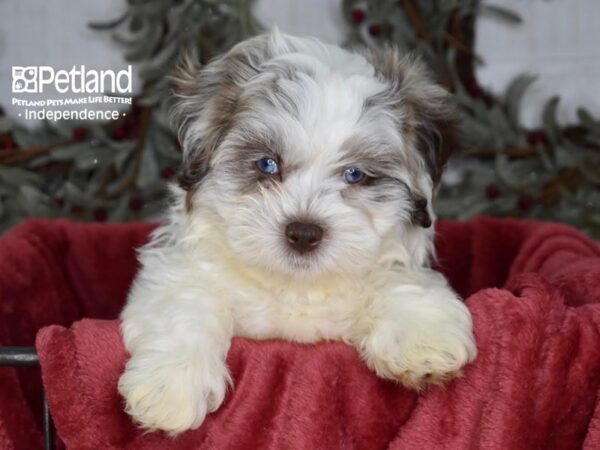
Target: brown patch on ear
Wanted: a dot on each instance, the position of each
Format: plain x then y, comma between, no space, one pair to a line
420,215
436,140
210,95
428,115
213,91
188,87
387,63
185,77
191,173
189,202
197,164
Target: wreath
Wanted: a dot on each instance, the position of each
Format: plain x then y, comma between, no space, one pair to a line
117,171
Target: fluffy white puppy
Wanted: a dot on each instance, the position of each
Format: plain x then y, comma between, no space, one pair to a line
303,212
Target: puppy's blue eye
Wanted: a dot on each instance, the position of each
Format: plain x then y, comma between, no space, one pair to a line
267,165
353,176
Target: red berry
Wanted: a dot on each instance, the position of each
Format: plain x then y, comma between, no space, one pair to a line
525,202
119,133
136,203
100,215
9,145
131,121
80,133
474,90
375,30
492,191
537,138
168,173
59,202
131,133
135,107
358,15
77,210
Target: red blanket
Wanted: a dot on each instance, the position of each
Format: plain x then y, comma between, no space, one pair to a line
533,289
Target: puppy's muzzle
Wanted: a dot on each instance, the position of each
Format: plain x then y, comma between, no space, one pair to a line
303,237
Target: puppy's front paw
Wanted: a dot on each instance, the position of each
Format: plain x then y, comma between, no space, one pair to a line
417,356
171,396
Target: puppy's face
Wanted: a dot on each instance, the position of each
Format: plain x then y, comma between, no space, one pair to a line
310,159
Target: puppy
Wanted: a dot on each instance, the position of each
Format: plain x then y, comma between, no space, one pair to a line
303,212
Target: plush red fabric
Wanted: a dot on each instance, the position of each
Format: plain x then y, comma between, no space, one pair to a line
55,272
533,289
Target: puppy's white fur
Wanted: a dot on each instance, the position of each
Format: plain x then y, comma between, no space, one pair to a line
221,267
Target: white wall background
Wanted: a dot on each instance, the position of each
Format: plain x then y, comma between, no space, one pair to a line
558,41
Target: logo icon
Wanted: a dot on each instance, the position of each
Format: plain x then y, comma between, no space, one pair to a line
24,79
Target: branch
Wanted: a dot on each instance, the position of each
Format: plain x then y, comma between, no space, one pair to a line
19,156
413,13
570,179
513,152
137,162
459,45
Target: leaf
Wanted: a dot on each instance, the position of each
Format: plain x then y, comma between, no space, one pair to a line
502,13
549,120
122,156
148,168
119,146
73,195
6,124
594,139
164,144
545,158
67,152
38,161
566,156
501,127
586,117
92,158
153,96
120,211
588,121
511,173
133,36
141,47
514,96
34,201
591,173
160,63
474,209
25,138
108,24
15,176
475,135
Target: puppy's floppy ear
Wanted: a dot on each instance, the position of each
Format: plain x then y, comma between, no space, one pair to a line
426,116
206,101
420,213
434,117
196,92
426,113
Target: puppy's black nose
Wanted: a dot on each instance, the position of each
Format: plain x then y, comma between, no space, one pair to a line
303,237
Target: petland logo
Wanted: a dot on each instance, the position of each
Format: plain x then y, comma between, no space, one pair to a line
78,80
84,94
